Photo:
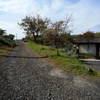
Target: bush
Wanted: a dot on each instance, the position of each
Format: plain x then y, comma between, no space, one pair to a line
7,42
92,72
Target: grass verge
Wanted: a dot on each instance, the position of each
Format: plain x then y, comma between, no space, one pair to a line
4,50
65,62
85,55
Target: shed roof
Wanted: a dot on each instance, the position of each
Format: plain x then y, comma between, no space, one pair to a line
92,40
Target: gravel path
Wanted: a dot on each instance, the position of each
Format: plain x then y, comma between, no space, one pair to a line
27,78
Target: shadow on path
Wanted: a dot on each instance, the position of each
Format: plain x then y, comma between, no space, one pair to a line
23,57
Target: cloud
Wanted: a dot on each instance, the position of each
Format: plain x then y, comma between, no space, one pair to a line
85,13
12,28
14,6
95,28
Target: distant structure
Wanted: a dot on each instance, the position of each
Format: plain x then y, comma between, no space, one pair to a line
88,45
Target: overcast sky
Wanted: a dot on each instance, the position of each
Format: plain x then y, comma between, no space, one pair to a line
85,13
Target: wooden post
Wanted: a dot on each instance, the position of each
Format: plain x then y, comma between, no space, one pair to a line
77,50
97,51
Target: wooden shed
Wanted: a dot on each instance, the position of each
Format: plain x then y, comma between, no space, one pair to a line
89,45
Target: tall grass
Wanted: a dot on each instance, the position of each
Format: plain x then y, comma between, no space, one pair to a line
67,63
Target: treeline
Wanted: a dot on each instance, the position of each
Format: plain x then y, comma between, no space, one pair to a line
56,34
44,31
97,34
87,34
6,40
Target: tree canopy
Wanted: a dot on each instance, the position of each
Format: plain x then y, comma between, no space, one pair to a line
2,31
48,32
34,25
89,34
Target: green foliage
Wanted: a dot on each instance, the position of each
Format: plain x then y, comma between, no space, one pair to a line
10,36
63,61
2,32
71,50
57,35
4,50
48,36
44,31
92,72
28,38
88,34
7,42
86,55
34,25
97,34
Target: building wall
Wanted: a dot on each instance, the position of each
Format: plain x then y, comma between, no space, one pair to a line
85,48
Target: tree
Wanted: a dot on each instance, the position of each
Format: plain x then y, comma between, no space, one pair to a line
58,34
48,37
11,36
60,29
2,32
63,26
44,31
88,34
97,34
28,25
34,25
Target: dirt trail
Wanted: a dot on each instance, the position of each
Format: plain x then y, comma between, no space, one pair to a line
27,78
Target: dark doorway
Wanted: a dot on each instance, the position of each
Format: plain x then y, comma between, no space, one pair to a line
97,51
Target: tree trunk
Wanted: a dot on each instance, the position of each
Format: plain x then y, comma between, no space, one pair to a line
58,54
34,37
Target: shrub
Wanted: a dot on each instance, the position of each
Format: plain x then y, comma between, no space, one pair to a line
7,42
91,72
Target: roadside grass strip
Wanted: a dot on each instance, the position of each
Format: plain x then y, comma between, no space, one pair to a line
63,61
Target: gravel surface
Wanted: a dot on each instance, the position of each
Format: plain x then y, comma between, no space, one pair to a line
27,78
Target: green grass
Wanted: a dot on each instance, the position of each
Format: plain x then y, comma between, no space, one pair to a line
7,42
65,62
4,50
6,45
86,55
